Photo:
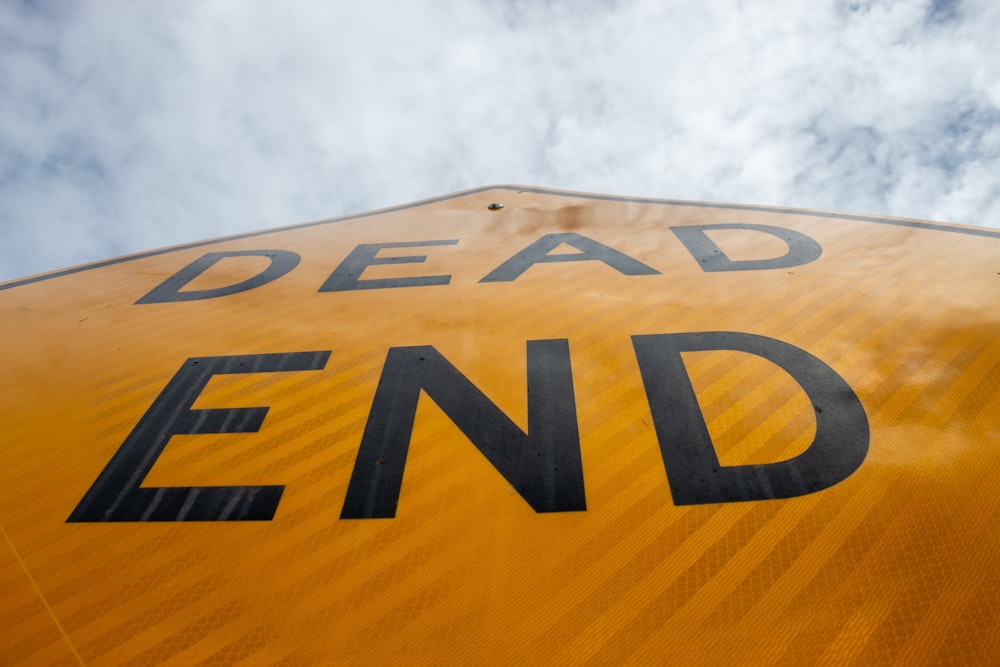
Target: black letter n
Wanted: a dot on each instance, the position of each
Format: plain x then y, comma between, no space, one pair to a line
544,465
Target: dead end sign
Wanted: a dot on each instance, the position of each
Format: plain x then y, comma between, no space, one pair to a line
572,428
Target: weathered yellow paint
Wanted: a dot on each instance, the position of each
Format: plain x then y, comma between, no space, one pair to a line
896,562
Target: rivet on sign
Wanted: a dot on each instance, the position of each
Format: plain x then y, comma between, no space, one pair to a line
495,206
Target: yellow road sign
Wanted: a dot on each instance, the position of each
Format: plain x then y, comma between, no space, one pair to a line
569,429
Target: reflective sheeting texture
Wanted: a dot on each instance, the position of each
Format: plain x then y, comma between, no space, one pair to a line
575,429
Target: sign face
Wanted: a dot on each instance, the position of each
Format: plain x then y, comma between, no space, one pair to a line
571,429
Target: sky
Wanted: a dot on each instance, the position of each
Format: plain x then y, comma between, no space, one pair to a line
129,126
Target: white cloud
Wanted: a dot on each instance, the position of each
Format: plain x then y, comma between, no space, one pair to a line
126,126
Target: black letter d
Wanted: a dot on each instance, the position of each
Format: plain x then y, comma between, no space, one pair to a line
282,261
692,465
